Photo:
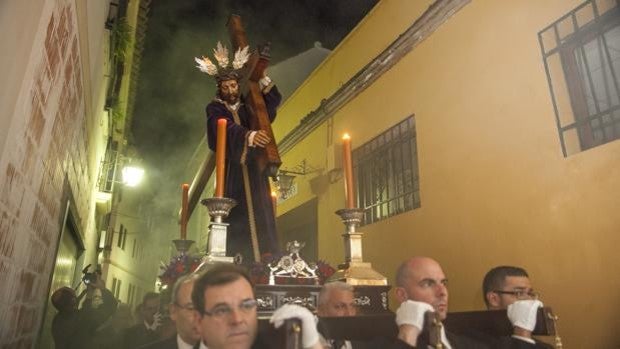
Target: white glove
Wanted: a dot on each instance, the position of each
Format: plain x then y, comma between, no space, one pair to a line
412,313
523,313
309,333
157,320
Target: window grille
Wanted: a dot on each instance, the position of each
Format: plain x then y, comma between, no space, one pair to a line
108,174
581,52
386,169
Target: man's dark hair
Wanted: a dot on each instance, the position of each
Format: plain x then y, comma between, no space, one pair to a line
63,299
225,75
494,279
220,274
149,295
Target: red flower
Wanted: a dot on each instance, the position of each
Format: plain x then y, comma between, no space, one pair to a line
179,268
193,266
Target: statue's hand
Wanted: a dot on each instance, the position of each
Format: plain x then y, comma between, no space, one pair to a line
261,139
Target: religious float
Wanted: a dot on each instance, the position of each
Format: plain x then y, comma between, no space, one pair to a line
289,278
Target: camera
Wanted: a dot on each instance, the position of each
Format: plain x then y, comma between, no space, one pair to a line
89,278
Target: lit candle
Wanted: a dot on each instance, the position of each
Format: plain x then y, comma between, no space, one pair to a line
274,202
347,164
184,206
220,156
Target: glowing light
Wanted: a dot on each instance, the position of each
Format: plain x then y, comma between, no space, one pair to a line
132,175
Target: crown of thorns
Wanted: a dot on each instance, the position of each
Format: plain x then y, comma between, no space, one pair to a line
224,72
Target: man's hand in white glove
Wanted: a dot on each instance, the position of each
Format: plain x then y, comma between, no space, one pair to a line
522,314
412,313
309,333
157,321
410,320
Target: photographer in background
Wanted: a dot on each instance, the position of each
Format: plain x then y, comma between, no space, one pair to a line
73,327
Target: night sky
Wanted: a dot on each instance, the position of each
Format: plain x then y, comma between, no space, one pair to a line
169,119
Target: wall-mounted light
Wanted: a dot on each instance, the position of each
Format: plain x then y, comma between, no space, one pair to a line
114,166
286,177
285,183
132,175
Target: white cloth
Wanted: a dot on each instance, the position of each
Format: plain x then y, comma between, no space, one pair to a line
203,345
523,313
412,313
235,106
181,343
309,333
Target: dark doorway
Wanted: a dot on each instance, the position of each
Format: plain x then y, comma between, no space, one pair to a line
300,224
67,269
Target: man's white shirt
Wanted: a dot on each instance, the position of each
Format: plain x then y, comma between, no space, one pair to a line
182,345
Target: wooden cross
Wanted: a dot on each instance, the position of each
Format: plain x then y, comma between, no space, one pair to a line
269,159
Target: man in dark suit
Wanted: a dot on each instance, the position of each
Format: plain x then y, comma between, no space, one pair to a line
183,314
422,286
224,299
510,288
146,331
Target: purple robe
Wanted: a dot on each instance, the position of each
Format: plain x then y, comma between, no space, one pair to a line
242,172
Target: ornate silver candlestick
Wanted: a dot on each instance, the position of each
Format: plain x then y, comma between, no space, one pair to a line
355,271
219,208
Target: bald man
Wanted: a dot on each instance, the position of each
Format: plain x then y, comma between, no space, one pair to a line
422,286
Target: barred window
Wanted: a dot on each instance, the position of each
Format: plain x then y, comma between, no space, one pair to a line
107,176
386,169
581,53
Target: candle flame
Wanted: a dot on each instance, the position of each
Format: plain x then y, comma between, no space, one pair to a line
346,136
273,194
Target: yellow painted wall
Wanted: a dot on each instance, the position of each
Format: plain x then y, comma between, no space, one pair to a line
495,187
367,40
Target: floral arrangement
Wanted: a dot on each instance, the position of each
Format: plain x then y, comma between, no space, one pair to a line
260,271
178,266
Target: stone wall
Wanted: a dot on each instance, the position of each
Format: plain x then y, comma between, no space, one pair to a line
43,162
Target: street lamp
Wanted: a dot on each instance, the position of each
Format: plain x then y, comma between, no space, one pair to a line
132,175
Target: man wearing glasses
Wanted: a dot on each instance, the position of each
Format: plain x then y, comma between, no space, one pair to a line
183,314
510,288
224,299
